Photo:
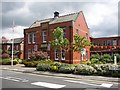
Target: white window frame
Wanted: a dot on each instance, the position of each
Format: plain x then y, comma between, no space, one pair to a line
17,47
108,41
29,52
56,51
104,42
34,37
61,54
114,42
35,47
8,46
29,41
44,36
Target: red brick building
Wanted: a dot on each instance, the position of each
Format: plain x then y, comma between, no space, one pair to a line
18,46
37,36
109,45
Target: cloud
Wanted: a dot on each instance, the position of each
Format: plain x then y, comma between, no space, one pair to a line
101,17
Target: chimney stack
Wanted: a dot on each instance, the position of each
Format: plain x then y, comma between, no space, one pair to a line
56,14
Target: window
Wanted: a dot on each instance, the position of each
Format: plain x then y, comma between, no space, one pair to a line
29,53
64,31
56,55
29,38
62,54
86,55
34,37
35,47
119,42
98,43
114,42
104,43
108,42
16,47
77,32
86,35
44,36
8,47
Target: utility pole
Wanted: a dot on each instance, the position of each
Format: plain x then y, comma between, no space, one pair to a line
12,45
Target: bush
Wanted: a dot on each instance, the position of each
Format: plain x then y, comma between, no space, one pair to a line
95,61
84,69
106,58
43,67
67,69
30,63
54,68
5,55
8,62
96,56
118,58
39,55
19,60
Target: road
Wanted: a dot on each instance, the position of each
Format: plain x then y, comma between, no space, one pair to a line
12,79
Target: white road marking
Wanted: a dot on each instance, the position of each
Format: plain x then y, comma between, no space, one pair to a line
106,85
15,79
102,85
48,85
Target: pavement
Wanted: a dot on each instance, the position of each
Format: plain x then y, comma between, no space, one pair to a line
23,69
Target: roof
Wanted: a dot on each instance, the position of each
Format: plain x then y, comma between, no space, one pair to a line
16,40
64,18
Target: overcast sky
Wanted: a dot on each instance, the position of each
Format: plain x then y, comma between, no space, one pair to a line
101,17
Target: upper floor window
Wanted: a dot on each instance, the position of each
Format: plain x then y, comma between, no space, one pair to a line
86,35
119,42
29,38
44,36
16,47
34,37
77,32
64,32
98,43
108,42
114,42
104,43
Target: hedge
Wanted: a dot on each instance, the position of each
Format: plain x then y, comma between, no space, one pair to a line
8,62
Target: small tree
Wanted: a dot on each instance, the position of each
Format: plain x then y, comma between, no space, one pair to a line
80,43
59,42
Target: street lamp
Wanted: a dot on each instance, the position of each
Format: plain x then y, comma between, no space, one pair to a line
12,45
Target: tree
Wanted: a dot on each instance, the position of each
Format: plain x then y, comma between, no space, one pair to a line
59,42
80,43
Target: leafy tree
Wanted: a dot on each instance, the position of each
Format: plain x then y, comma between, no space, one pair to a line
59,42
80,43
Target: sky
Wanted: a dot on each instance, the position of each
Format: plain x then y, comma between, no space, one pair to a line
101,15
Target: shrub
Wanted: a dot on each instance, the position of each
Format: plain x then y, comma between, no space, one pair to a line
8,62
118,58
43,67
95,61
30,63
5,55
84,69
67,69
39,55
106,58
97,56
54,68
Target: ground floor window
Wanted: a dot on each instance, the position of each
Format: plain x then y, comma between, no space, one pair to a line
56,55
29,53
62,54
86,55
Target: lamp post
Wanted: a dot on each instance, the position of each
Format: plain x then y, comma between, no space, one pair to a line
12,45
